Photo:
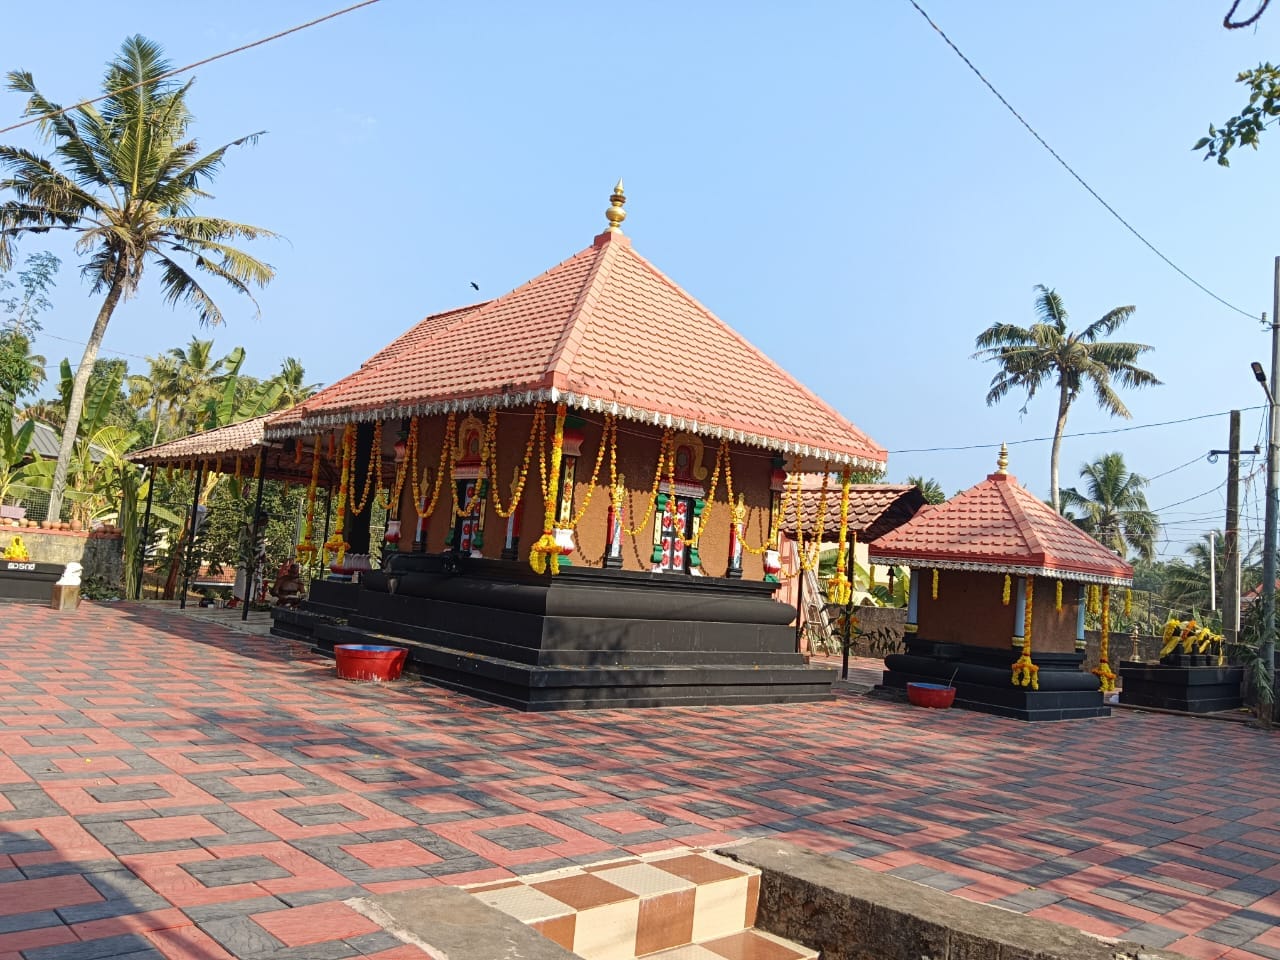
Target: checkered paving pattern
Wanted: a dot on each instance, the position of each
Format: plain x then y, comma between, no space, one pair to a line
170,788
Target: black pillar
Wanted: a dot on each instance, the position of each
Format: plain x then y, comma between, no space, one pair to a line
848,620
253,537
799,594
356,532
191,538
146,531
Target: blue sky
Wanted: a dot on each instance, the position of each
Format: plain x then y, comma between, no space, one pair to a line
826,177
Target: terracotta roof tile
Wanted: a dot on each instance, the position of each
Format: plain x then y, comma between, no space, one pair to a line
874,508
998,525
605,329
238,438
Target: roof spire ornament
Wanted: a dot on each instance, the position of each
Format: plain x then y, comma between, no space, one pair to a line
615,214
1002,461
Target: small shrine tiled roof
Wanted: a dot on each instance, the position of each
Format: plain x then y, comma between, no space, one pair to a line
999,526
603,331
874,508
236,439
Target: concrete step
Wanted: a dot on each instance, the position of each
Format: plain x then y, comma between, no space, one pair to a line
654,905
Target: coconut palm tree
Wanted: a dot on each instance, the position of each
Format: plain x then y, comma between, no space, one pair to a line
290,378
1113,509
197,379
1029,357
1186,584
124,177
930,489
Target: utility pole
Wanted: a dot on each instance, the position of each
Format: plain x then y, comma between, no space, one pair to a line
1213,570
1231,538
1273,496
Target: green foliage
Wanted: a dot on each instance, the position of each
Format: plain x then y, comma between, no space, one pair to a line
1113,508
1245,128
221,542
18,313
124,178
930,488
15,446
1031,357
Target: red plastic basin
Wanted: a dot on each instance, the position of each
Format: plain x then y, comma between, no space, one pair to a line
937,695
359,661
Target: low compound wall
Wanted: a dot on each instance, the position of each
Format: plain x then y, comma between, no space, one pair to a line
848,912
99,553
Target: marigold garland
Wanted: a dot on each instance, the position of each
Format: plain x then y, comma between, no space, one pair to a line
306,547
418,482
934,592
1128,603
664,450
1026,673
372,469
545,554
1103,672
1057,597
537,432
1008,588
336,544
606,434
722,456
840,590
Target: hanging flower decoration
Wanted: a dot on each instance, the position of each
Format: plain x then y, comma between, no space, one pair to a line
1008,588
1103,671
372,471
665,451
545,554
840,590
1191,636
307,547
1057,597
722,458
1026,673
336,545
1128,603
934,592
537,433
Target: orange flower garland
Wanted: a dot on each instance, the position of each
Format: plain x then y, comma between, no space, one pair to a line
664,451
545,554
418,482
1008,584
372,470
607,434
336,544
1026,673
537,433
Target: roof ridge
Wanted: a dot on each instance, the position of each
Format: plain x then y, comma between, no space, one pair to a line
871,444
1026,526
566,349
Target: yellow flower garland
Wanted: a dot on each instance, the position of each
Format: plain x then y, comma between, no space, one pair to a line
336,544
538,433
306,547
545,554
1128,603
840,590
1057,597
1026,673
1104,673
935,583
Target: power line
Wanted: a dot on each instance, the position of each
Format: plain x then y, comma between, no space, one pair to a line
191,66
1066,166
1067,436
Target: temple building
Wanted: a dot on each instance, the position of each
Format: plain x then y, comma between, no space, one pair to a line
584,481
1000,586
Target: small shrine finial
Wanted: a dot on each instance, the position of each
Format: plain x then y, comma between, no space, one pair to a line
615,214
1002,461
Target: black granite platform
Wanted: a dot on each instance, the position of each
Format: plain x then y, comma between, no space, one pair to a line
586,638
982,677
1172,686
28,581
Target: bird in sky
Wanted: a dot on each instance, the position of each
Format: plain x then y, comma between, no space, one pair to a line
474,285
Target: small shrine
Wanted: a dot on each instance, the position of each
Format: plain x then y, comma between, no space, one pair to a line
999,590
584,480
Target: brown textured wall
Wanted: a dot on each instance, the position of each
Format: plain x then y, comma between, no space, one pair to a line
637,460
969,609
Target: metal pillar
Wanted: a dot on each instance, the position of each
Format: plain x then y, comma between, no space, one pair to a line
1273,499
191,538
253,540
1231,538
146,531
799,595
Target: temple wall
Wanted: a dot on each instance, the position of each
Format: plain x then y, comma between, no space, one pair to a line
638,446
970,609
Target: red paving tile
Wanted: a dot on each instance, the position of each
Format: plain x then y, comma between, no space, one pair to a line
226,768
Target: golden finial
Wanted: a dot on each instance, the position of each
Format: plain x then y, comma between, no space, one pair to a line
615,214
1002,461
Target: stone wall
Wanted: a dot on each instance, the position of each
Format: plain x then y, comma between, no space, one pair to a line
886,624
99,554
1121,645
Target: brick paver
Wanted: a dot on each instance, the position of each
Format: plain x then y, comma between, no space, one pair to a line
173,788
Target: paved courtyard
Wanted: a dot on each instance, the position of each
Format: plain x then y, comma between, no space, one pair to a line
173,788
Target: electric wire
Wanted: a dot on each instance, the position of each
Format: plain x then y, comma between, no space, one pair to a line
1066,166
1066,436
191,66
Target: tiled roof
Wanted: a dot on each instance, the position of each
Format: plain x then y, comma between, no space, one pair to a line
606,331
874,508
999,526
238,438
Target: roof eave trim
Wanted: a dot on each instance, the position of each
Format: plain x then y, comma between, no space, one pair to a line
523,398
1020,570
